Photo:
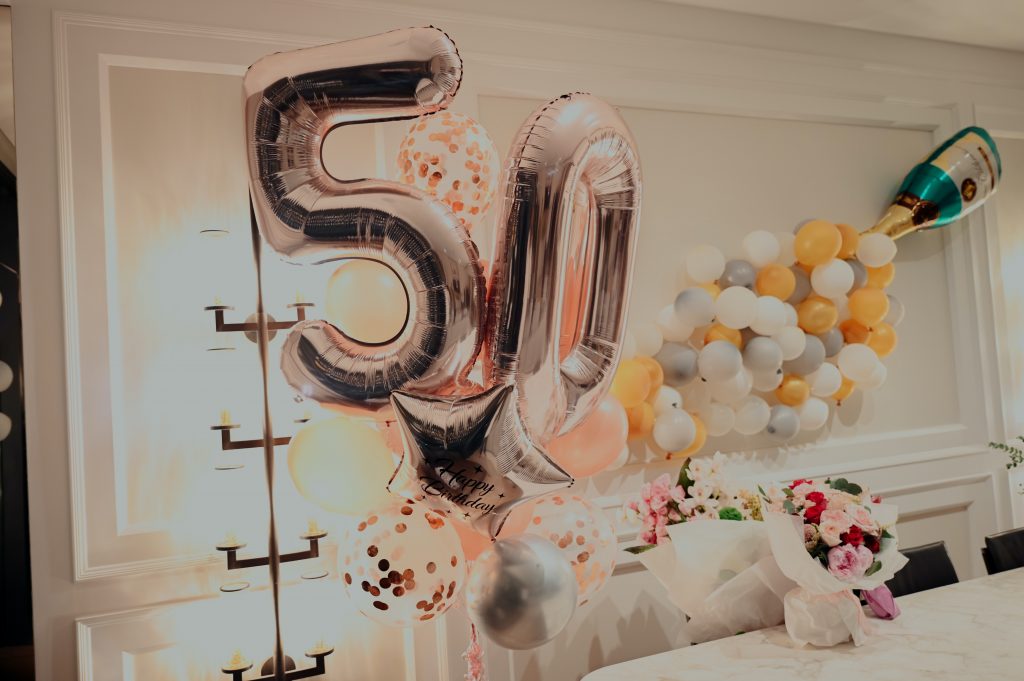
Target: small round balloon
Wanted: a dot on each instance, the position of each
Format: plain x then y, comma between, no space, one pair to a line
631,383
451,157
402,564
775,280
521,592
594,444
752,415
783,423
674,430
733,389
678,362
737,273
584,535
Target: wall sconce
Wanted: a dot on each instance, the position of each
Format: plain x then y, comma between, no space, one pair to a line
238,665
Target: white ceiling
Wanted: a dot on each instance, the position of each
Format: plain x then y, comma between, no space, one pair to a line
988,23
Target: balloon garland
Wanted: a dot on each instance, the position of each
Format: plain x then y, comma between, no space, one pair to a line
771,339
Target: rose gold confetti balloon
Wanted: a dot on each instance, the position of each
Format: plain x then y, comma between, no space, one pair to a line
584,535
451,157
402,565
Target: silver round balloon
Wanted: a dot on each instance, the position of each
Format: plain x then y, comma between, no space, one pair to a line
860,274
832,340
679,362
738,273
783,423
809,360
762,355
293,100
802,288
576,141
521,592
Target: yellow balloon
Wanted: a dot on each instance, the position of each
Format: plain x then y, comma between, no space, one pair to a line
851,238
654,372
712,288
880,277
817,242
366,300
719,332
869,306
342,465
816,315
854,331
631,384
883,339
845,390
641,420
793,391
698,441
775,280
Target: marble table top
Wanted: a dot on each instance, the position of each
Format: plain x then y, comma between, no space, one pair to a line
970,630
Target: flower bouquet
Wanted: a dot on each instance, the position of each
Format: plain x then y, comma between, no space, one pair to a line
796,554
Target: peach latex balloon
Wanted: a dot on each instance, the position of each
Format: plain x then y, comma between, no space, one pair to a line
869,306
775,280
595,443
883,339
641,420
817,242
631,384
793,391
851,237
366,300
720,332
881,277
816,315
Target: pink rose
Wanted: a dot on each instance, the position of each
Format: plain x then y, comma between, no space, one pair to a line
840,518
832,532
845,564
861,516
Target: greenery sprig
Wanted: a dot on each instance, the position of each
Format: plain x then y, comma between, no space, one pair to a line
1016,453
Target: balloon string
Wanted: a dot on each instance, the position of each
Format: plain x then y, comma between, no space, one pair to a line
474,657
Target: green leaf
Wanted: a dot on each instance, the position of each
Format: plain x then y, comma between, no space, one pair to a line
875,567
761,491
788,505
729,513
844,485
640,549
684,477
788,492
886,534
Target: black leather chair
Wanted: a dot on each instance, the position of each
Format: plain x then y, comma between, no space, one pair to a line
928,567
1004,551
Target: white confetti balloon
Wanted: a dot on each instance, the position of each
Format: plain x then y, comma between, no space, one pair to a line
760,247
770,316
733,389
792,340
705,264
752,415
787,253
719,360
736,307
833,279
825,381
667,398
857,362
813,414
718,418
695,307
876,250
648,339
671,326
674,430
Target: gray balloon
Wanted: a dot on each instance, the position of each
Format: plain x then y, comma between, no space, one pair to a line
833,341
521,592
809,360
802,288
679,362
860,275
762,355
738,273
783,424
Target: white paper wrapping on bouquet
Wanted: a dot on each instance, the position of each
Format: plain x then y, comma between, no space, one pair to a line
822,610
722,575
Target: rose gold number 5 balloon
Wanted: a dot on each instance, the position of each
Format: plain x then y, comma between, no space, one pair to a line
575,141
292,101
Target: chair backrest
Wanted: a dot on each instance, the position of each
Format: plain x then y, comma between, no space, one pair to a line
1005,551
928,567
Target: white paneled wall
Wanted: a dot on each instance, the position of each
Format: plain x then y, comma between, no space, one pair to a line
742,123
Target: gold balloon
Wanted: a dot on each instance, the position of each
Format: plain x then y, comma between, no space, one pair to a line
850,240
641,420
775,280
342,465
793,391
631,384
698,441
854,331
719,332
816,315
880,277
845,390
817,242
712,289
883,339
366,300
869,306
654,372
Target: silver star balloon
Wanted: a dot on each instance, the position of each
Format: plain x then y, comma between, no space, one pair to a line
471,456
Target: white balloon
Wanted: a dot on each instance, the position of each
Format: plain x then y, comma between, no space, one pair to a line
792,340
718,418
667,398
842,304
876,250
696,396
674,430
813,414
736,307
792,319
628,346
761,247
705,263
857,362
762,355
6,376
695,307
787,252
5,426
896,310
648,339
620,460
875,379
825,381
719,360
766,381
770,316
671,326
833,279
752,415
733,389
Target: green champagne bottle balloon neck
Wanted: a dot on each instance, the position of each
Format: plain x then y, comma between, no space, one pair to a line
956,178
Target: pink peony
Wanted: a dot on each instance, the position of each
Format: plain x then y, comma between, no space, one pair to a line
848,563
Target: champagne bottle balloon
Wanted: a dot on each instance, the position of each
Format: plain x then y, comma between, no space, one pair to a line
953,180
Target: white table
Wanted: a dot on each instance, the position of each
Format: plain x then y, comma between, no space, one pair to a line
971,630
